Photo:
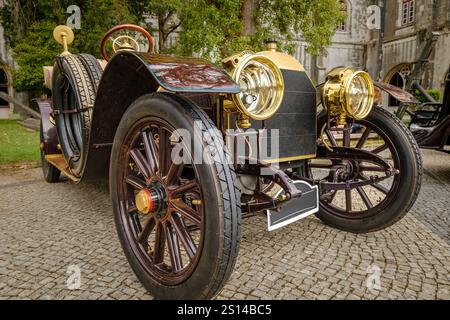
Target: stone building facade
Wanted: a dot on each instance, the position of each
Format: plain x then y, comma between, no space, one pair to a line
6,83
386,37
349,43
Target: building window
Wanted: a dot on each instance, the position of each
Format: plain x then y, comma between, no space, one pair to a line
407,12
342,26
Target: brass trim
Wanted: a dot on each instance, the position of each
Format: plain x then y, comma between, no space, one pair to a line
370,95
142,201
58,164
336,93
239,67
53,156
286,159
283,61
63,35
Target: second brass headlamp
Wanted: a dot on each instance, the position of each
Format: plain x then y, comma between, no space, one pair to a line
348,93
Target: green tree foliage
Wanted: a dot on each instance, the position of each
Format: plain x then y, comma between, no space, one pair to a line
315,19
216,28
435,94
29,32
166,13
213,29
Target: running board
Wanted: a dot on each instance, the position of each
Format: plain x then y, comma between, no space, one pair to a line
58,161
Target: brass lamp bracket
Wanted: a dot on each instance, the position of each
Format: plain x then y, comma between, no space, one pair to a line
63,35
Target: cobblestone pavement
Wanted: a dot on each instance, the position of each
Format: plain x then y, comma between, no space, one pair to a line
47,228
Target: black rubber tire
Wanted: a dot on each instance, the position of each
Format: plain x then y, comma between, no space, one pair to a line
51,174
410,177
222,199
73,128
93,68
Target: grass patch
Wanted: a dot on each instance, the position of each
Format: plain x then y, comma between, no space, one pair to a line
18,144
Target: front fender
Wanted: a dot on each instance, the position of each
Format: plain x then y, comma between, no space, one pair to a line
396,92
187,74
130,75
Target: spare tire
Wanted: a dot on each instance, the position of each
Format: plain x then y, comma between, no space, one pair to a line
73,98
93,67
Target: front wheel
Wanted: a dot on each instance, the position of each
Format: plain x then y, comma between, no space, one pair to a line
383,199
178,221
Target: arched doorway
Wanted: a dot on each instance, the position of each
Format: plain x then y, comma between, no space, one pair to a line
397,76
5,86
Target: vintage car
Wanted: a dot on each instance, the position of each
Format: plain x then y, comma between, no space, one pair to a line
185,146
430,121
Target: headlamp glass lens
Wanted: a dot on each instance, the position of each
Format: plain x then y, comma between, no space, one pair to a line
358,95
258,87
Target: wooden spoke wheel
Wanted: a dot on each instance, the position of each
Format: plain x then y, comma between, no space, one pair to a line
385,197
178,222
163,203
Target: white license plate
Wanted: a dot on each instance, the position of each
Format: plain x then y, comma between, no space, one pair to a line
295,209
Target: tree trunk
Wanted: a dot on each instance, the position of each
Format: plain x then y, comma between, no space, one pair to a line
161,35
248,17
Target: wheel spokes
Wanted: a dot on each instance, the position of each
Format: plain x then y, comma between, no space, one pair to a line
348,200
135,182
186,211
331,138
333,195
363,138
346,137
150,151
370,179
184,236
141,163
164,154
160,244
365,198
174,173
372,168
132,209
380,148
377,186
173,248
188,186
165,238
135,220
146,231
381,188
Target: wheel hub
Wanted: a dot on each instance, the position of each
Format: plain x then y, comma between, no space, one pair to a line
151,200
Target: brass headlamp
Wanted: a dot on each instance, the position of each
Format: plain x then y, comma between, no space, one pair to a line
261,82
348,93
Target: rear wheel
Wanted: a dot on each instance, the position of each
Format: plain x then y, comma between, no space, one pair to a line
385,199
179,224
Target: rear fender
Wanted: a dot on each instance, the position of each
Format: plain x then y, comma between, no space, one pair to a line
50,137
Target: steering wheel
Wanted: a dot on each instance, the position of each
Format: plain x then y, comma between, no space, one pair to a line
126,37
